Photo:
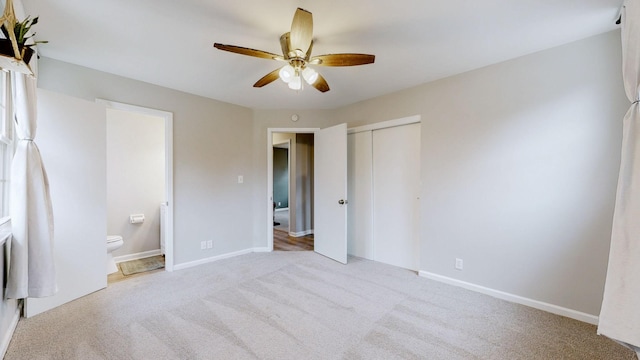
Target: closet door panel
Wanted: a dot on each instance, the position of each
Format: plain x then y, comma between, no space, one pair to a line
359,193
396,184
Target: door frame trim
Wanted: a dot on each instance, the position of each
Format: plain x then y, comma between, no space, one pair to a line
168,148
386,124
269,198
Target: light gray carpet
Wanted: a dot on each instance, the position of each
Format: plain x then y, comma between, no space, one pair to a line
142,265
300,305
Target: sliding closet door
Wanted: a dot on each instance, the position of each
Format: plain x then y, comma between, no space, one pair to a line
359,190
396,186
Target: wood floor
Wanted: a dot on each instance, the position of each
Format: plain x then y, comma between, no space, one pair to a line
283,242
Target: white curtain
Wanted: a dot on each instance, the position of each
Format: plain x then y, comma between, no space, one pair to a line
620,313
31,263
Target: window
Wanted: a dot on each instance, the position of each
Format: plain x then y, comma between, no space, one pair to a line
6,144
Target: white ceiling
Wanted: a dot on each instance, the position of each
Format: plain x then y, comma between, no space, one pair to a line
170,43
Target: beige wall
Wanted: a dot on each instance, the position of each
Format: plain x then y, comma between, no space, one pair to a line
135,178
519,163
519,166
519,169
212,146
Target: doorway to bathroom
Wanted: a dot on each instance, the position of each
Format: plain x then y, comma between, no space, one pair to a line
139,188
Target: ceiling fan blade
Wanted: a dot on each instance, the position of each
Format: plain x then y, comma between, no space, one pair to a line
309,52
321,84
268,79
342,59
285,44
246,51
301,32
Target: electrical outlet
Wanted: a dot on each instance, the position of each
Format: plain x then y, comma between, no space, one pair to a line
459,264
209,244
203,245
279,203
240,179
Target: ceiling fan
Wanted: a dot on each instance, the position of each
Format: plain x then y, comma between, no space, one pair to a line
296,49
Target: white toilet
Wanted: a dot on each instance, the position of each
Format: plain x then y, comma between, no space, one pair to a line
114,242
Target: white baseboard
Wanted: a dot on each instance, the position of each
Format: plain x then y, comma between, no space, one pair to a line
554,309
6,338
210,259
301,233
136,256
282,209
219,257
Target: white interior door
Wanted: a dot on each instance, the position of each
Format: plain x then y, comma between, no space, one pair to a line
72,140
330,191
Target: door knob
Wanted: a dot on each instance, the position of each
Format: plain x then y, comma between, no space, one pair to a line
342,202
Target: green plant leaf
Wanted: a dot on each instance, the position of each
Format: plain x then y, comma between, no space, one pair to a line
21,29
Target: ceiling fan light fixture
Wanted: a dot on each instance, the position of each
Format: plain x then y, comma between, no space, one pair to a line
296,49
295,83
309,75
287,73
